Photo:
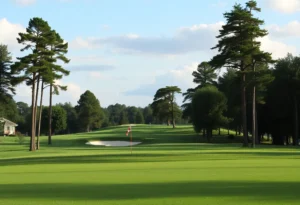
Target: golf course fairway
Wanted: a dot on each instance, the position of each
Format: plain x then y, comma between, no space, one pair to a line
157,172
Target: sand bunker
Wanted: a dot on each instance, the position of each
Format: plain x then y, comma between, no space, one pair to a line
112,143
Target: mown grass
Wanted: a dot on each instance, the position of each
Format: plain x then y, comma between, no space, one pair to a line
171,166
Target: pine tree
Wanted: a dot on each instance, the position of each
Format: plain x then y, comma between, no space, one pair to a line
6,76
204,75
208,105
59,48
238,48
139,118
89,111
35,39
164,102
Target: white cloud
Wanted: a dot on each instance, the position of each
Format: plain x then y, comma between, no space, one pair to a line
24,2
97,75
74,68
23,93
73,92
186,39
90,59
9,33
23,90
79,43
284,6
184,75
181,77
292,29
278,49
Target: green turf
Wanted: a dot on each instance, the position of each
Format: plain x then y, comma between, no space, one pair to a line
170,167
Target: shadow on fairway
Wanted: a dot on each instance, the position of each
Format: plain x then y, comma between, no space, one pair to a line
241,190
126,157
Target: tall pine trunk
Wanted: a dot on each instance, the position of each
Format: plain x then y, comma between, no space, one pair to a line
50,117
254,136
40,117
296,124
173,120
244,110
256,133
36,100
254,116
32,139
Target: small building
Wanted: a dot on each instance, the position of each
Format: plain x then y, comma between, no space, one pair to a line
9,127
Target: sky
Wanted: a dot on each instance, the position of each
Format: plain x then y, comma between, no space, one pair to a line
124,50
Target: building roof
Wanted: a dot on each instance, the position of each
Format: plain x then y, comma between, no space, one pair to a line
2,119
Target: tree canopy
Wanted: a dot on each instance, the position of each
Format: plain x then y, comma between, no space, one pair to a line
89,111
208,106
164,105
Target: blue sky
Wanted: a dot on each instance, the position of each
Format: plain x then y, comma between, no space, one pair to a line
123,51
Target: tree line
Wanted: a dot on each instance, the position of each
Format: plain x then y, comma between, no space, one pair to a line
85,116
256,95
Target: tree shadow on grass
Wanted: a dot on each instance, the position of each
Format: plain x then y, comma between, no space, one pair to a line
142,156
86,159
286,192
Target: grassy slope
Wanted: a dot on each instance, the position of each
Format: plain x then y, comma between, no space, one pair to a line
169,168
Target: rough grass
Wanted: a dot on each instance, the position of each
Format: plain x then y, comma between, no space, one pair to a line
170,167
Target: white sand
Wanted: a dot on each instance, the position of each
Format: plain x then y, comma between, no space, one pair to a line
127,125
112,143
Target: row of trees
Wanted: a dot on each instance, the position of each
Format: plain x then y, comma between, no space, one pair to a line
218,103
65,118
87,115
256,94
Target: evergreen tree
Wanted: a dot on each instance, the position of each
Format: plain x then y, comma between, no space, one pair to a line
123,118
114,113
204,75
31,66
229,84
89,111
72,118
59,48
8,108
132,111
139,118
6,76
148,114
164,102
208,105
59,119
287,85
238,48
24,114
